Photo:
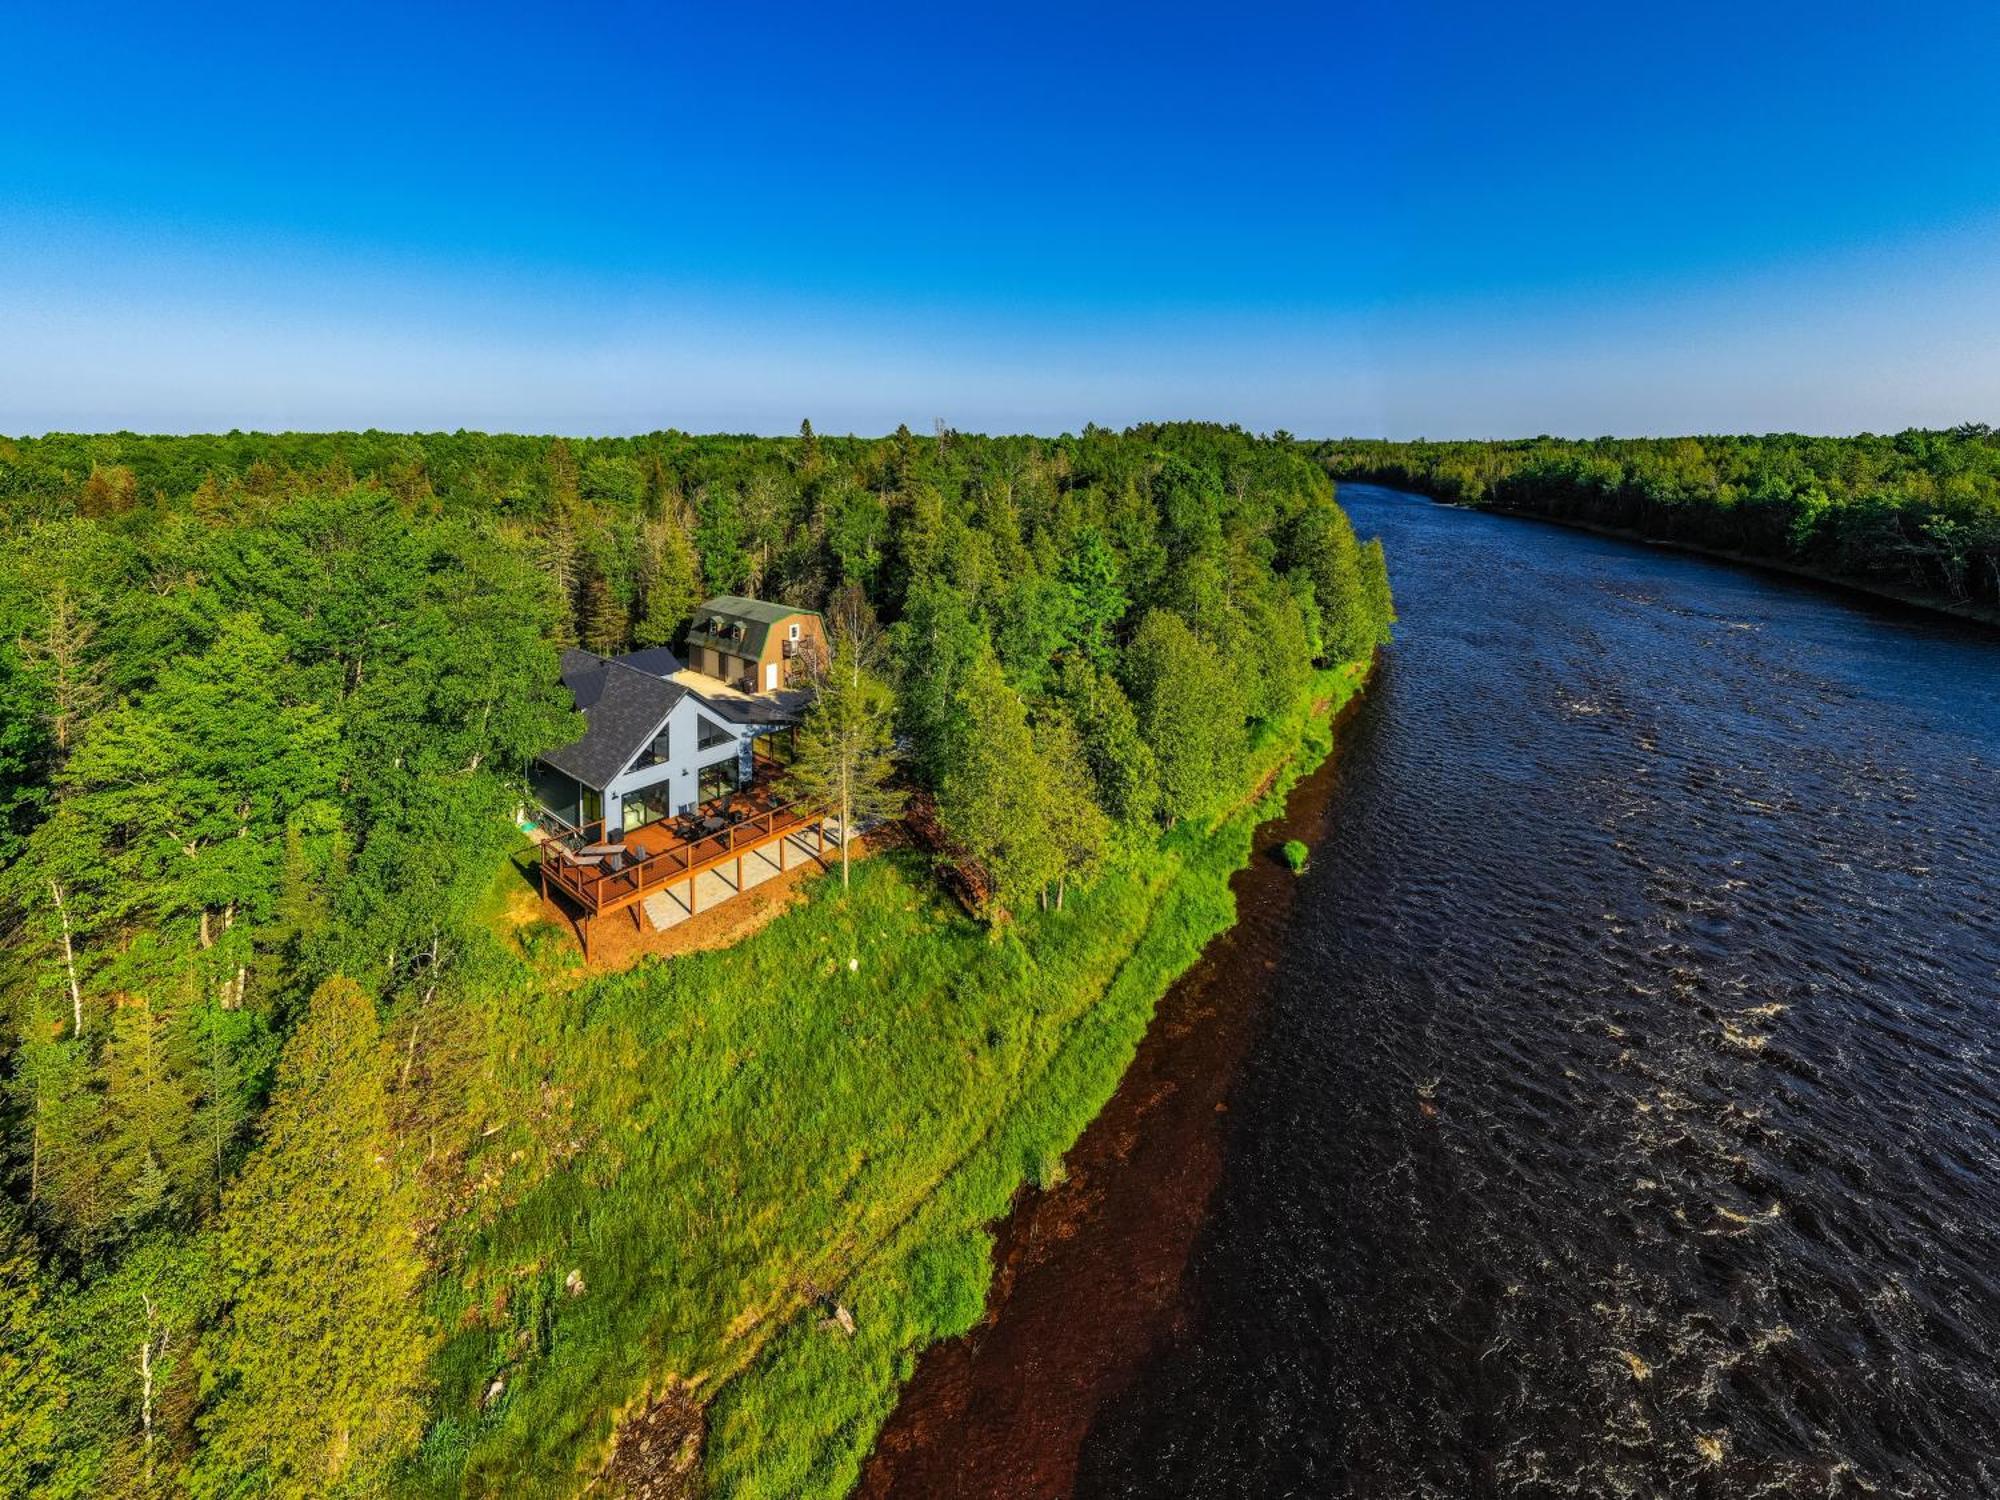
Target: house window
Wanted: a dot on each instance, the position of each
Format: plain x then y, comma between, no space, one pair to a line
795,630
718,780
647,806
660,754
709,734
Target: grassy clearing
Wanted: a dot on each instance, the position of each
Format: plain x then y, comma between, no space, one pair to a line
837,1107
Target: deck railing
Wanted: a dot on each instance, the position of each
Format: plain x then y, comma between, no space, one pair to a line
598,890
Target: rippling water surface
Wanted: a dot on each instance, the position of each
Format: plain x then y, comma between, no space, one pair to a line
1626,1117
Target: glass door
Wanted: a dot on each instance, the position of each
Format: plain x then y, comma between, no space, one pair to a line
718,780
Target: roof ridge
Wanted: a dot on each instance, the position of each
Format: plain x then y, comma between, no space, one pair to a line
612,661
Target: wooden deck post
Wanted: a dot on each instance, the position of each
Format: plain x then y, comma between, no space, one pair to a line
691,880
781,852
739,874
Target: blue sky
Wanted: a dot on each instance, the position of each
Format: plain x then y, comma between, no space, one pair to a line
1430,219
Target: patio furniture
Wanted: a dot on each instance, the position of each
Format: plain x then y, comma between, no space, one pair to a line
600,849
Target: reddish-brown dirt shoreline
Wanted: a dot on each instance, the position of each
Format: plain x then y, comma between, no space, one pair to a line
1087,1276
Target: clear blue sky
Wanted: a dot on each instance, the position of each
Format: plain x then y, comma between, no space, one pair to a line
1444,219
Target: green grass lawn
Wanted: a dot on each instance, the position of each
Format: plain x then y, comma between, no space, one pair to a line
839,1106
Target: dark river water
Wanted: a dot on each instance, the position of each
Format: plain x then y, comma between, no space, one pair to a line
1624,1115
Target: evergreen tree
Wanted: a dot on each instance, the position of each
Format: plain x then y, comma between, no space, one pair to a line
605,623
313,1373
994,799
128,1339
671,583
1097,602
1323,546
936,644
152,1157
1122,765
61,1144
718,538
556,552
26,748
32,1389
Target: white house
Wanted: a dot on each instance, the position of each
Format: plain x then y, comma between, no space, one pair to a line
656,746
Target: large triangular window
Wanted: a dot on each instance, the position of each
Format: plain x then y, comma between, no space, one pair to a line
709,734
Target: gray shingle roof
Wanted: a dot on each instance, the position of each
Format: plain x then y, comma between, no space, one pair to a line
658,660
623,705
746,710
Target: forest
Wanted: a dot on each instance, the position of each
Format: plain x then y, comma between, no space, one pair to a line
1915,514
323,1179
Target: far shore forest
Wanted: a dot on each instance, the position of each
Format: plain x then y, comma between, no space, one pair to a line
329,1167
1915,514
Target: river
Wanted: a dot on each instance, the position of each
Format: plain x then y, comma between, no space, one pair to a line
1612,1109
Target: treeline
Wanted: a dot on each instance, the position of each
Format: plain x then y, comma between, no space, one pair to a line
1915,513
265,702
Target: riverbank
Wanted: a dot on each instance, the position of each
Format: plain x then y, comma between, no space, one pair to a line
737,1192
1089,1273
1915,598
1961,609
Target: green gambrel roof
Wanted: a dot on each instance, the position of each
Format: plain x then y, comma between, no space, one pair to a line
754,616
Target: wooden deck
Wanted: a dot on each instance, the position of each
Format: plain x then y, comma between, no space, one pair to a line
667,862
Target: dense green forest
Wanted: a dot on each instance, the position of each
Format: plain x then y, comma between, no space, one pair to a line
1916,514
322,1178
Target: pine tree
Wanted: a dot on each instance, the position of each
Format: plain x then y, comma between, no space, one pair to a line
937,643
26,749
1097,601
314,1372
152,1156
844,745
64,1128
32,1389
562,475
65,654
556,551
672,582
605,623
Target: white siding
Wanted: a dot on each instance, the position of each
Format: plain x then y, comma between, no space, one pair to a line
682,768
